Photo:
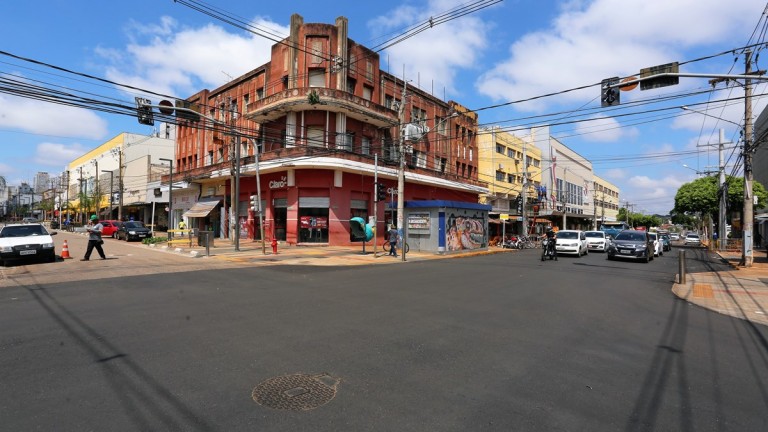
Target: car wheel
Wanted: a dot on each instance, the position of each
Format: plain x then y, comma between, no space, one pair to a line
114,235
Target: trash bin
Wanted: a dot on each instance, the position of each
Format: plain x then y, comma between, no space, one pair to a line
205,238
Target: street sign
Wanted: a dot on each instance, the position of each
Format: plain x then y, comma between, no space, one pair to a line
609,92
663,81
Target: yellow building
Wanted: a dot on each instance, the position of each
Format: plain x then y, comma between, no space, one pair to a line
606,200
507,163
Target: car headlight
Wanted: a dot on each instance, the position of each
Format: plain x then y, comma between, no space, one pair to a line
47,245
6,249
132,232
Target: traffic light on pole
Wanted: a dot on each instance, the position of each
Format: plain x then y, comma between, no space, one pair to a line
609,92
255,203
381,192
144,111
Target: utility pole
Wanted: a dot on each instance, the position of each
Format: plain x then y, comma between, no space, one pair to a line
721,235
82,195
401,172
96,190
747,217
524,191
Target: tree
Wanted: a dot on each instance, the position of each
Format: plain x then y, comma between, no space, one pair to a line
702,196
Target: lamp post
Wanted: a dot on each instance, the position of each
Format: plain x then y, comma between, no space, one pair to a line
111,193
170,194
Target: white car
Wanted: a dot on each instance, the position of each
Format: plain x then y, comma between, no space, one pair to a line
596,240
658,247
674,236
29,241
571,242
692,239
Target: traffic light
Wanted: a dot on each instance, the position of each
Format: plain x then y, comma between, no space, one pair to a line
609,92
144,111
381,192
255,203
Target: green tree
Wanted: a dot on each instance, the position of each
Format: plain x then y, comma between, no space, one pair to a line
702,196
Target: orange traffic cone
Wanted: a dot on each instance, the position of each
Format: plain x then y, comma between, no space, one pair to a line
65,251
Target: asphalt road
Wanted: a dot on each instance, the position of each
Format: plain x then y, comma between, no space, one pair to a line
500,342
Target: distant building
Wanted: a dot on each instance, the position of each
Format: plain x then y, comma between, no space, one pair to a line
42,182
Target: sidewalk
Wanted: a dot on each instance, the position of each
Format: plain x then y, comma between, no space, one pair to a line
739,292
251,251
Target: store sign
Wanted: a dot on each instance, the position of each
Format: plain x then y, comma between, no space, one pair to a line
308,222
279,184
418,221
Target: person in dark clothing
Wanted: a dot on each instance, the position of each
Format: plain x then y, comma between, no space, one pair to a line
94,238
393,234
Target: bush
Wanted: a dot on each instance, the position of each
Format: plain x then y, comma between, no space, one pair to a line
153,240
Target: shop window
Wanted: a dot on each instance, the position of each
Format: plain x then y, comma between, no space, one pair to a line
313,225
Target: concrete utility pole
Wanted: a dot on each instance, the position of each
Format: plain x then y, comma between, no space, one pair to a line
170,194
747,217
524,191
721,235
401,172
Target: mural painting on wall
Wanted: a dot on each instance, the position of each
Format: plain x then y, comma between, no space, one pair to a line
465,232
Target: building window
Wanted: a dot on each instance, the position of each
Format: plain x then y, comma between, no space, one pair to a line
351,84
369,70
500,175
246,101
210,158
499,149
441,125
510,153
352,64
317,51
345,141
317,77
315,137
365,146
388,100
260,93
367,92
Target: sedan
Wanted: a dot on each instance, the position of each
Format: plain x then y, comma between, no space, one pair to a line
133,230
692,239
571,242
631,244
596,240
29,241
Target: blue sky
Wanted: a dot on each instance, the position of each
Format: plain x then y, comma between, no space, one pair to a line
512,51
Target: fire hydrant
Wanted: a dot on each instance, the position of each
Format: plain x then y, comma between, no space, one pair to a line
274,246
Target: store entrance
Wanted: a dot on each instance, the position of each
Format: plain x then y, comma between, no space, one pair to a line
313,225
281,222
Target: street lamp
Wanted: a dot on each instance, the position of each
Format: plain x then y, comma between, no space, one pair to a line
111,193
170,194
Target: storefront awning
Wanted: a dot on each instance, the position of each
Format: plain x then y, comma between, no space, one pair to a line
202,208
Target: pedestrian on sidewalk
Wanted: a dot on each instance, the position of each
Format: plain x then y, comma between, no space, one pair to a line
393,234
94,229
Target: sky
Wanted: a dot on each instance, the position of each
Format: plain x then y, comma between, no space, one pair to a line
519,63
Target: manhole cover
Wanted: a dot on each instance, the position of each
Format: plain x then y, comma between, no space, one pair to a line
296,392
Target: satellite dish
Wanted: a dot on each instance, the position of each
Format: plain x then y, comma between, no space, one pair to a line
166,107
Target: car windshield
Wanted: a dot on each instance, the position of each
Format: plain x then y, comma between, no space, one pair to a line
595,234
22,231
133,225
692,236
567,235
630,236
652,236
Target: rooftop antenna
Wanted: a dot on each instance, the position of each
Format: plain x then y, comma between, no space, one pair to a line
228,76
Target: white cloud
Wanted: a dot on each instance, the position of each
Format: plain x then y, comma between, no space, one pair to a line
592,40
58,155
167,59
434,57
41,118
604,129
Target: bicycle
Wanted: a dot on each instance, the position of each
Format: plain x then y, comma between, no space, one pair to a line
386,246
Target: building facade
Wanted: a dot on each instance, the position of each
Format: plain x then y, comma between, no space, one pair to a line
326,124
606,201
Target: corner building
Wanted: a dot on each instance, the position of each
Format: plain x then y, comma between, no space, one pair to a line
323,121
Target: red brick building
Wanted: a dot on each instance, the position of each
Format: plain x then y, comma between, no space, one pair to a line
325,120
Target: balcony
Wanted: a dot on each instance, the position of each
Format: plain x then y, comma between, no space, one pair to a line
277,105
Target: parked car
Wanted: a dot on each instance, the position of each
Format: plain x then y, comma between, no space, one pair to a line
29,241
29,220
658,250
110,228
597,240
692,239
674,236
571,242
631,244
133,230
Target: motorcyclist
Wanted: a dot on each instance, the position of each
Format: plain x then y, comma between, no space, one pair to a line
551,239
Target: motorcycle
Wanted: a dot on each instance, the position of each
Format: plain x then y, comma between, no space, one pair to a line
548,249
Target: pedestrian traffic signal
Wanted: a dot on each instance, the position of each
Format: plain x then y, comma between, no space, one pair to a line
381,192
255,203
609,92
144,111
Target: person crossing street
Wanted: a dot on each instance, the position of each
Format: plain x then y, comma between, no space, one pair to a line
94,229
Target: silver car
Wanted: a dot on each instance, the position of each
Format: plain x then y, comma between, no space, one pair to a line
692,239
